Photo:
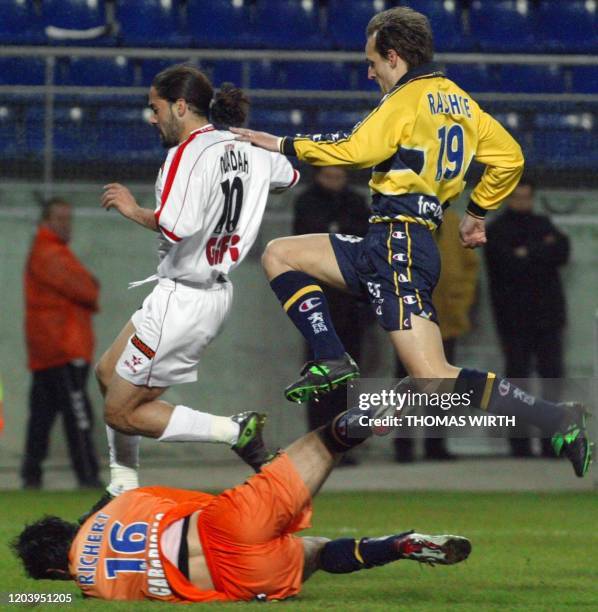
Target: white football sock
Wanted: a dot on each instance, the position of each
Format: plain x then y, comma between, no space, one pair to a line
124,461
188,425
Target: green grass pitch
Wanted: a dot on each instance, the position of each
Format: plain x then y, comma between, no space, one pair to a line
530,551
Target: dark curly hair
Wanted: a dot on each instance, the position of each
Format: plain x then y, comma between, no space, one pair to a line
43,547
230,107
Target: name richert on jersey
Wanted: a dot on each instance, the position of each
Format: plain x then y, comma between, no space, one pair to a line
233,159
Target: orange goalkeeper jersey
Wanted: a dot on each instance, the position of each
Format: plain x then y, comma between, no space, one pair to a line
116,553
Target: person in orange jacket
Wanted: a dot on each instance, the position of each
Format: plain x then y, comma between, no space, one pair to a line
61,296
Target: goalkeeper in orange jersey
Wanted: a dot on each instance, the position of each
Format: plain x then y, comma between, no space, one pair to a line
419,142
178,545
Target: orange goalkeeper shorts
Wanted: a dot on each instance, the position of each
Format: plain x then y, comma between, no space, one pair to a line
246,534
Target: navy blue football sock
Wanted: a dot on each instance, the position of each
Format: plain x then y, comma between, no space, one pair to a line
346,555
499,396
305,303
345,431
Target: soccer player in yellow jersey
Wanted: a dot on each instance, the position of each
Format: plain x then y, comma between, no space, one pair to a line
419,142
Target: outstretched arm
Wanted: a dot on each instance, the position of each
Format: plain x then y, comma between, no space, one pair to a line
259,139
370,142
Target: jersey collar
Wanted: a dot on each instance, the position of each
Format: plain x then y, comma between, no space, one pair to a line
201,130
425,70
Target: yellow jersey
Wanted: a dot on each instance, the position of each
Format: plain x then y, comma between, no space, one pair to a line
419,142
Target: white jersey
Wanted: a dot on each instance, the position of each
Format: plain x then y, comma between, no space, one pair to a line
211,195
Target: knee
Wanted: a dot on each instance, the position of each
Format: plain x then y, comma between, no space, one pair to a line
103,372
276,255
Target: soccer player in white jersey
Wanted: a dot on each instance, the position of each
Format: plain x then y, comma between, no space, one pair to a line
211,194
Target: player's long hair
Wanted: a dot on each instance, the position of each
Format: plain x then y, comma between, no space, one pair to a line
225,109
188,83
43,547
229,107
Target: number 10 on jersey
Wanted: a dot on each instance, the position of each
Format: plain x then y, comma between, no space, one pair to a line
224,239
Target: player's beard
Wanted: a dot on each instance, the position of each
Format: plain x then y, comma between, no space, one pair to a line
170,132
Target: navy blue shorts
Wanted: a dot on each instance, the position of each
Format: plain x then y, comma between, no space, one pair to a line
396,267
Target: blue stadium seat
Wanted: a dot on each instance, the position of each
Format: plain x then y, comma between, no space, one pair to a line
446,21
127,135
288,24
74,14
22,71
151,23
300,75
500,25
512,121
532,79
20,23
266,75
221,72
473,77
150,68
336,121
359,78
346,27
122,114
585,79
91,71
563,121
217,71
219,23
289,121
567,27
316,75
562,149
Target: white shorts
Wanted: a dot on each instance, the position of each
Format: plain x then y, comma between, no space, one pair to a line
174,325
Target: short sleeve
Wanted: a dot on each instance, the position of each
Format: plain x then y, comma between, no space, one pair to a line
283,175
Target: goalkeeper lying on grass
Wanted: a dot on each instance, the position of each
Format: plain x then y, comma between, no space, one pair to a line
180,545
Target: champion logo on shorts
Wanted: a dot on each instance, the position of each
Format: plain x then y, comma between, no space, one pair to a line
409,299
310,304
142,346
399,235
403,278
400,257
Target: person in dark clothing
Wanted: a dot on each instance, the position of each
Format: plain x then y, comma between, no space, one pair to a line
330,206
61,296
523,255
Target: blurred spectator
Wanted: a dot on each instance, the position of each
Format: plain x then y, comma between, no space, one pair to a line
524,252
329,205
453,298
60,296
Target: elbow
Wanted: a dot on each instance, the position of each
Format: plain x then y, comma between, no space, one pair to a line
519,161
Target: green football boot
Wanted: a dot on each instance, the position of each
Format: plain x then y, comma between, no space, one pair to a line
571,440
250,444
322,376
